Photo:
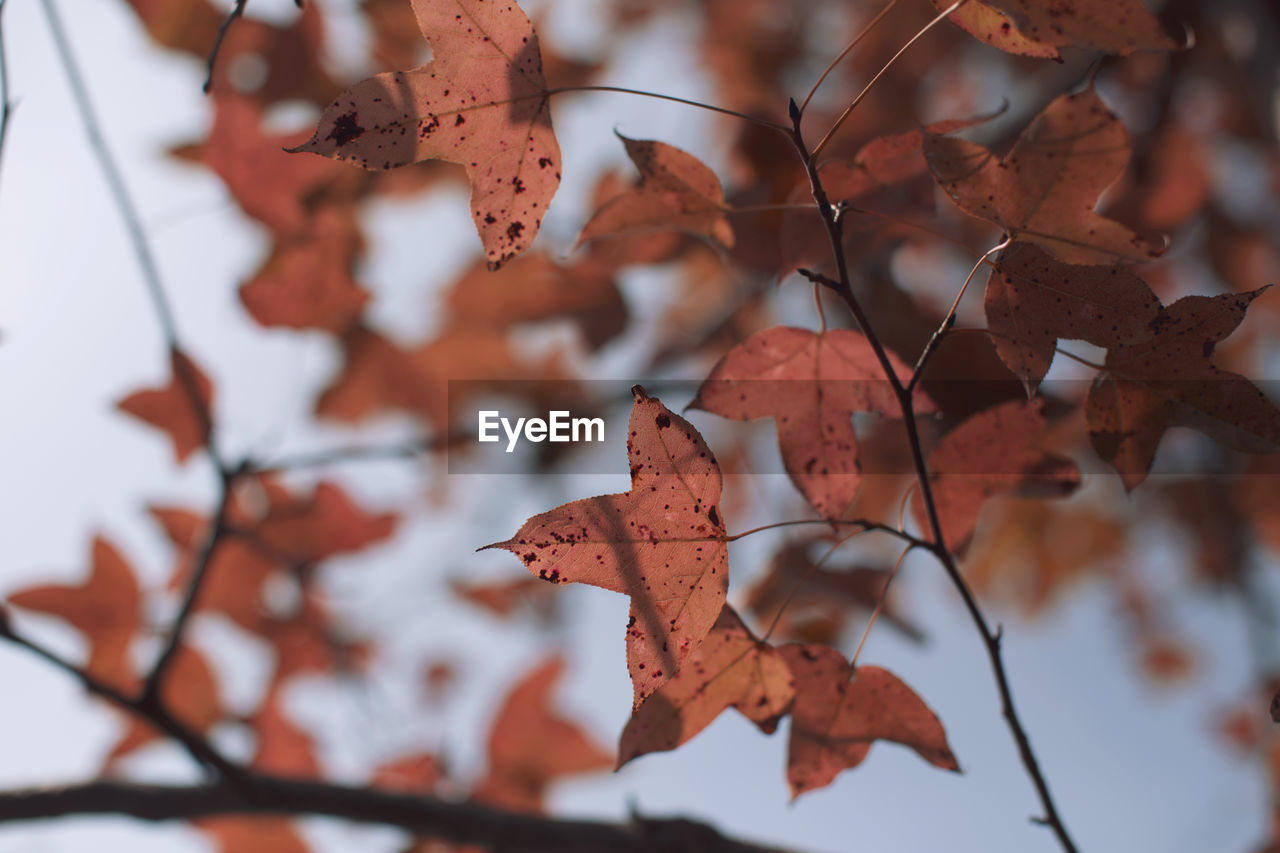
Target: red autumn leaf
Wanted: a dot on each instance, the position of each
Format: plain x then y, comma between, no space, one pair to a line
106,608
416,772
1169,380
481,102
530,746
811,384
731,668
995,452
676,192
662,543
252,834
1040,27
309,282
283,747
327,522
189,693
533,288
835,720
504,598
1044,190
1033,300
172,408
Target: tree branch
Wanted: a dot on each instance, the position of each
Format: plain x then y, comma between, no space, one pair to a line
457,822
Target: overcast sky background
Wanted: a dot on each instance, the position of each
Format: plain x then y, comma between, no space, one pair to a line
1130,764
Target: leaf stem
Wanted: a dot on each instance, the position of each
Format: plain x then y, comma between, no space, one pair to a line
859,522
865,31
763,122
875,613
865,89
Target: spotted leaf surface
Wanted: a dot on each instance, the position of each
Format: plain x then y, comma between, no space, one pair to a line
730,669
481,102
1045,190
1169,380
662,543
1040,27
810,383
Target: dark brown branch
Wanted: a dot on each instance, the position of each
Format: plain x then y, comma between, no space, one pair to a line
457,822
236,11
991,639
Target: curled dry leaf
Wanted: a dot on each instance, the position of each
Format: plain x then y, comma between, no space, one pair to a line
173,408
835,720
731,668
995,452
106,608
1045,189
1040,27
482,103
1033,300
662,543
810,383
1168,379
676,192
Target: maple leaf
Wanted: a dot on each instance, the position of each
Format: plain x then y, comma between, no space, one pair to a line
676,192
530,746
810,383
1040,27
481,102
1168,379
994,452
1033,300
283,747
327,522
252,834
1044,190
662,543
730,668
505,597
308,281
835,720
106,608
172,408
189,692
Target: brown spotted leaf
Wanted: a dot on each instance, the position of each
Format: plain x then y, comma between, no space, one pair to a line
676,192
662,543
994,452
731,668
810,383
1033,300
481,102
1045,189
1169,380
106,608
1040,27
173,408
835,720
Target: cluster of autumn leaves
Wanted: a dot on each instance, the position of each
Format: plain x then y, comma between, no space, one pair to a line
1063,272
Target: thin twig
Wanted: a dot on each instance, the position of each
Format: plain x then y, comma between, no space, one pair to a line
906,402
325,458
866,31
764,122
806,577
875,613
865,89
236,11
857,522
148,708
6,106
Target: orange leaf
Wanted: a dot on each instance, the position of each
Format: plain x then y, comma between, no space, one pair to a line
1032,300
676,192
662,543
1168,380
993,453
731,668
811,384
834,720
172,407
106,608
1045,189
482,103
1040,27
530,746
252,834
